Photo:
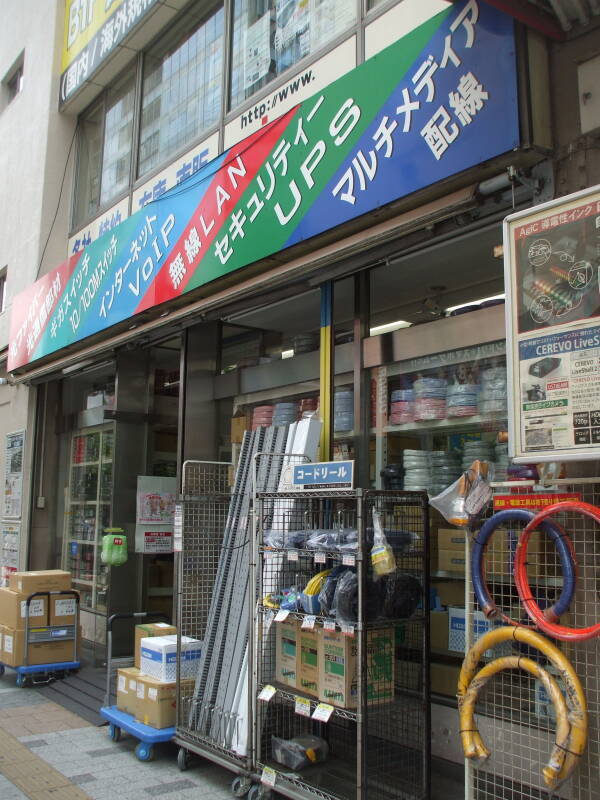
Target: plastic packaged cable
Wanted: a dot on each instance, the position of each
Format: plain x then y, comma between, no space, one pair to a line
299,752
345,598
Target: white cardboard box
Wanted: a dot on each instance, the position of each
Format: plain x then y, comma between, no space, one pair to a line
158,657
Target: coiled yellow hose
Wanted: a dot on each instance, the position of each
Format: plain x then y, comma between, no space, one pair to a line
571,716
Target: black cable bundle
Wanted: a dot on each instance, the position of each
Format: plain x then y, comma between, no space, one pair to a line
402,594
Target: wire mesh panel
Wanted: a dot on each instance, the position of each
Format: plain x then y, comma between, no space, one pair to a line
515,715
330,639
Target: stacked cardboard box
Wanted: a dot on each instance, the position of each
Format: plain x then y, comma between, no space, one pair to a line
147,691
323,664
59,611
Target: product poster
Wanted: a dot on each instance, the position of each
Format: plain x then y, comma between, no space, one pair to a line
327,18
9,551
13,480
257,50
552,273
292,33
156,499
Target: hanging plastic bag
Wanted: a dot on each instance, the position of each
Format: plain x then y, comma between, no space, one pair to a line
464,499
345,600
302,751
114,547
382,555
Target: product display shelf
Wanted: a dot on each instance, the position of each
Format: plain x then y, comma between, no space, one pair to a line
506,580
377,738
475,423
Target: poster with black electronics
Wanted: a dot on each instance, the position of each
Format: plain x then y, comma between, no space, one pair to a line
551,265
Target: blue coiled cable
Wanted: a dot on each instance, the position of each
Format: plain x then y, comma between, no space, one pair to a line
560,541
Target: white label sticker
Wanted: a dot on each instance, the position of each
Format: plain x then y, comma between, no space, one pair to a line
268,777
308,623
349,560
152,694
267,693
122,683
20,585
132,686
64,608
140,691
322,712
161,625
329,624
319,558
8,643
292,555
36,608
281,615
347,630
302,706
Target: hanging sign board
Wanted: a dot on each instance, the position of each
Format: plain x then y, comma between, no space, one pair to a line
427,107
552,259
324,475
13,475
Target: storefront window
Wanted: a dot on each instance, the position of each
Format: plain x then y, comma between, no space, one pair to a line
271,35
104,154
182,86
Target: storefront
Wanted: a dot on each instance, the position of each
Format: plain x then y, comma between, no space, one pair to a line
344,259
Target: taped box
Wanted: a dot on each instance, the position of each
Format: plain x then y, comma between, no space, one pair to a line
43,580
13,609
159,657
127,689
286,652
147,632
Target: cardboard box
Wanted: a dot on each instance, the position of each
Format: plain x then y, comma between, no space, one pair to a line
156,701
438,630
338,667
13,609
147,631
444,679
286,652
159,657
13,644
481,625
43,580
451,539
451,592
63,610
451,561
239,425
127,689
307,670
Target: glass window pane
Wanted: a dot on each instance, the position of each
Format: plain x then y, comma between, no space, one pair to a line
182,87
271,35
87,195
118,131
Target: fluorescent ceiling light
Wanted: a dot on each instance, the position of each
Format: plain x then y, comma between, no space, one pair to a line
476,302
390,326
287,353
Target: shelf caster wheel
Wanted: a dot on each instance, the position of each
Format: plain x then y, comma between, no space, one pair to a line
2,670
144,752
240,786
183,759
259,793
114,732
21,681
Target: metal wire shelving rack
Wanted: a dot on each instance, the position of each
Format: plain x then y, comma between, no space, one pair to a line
514,715
379,740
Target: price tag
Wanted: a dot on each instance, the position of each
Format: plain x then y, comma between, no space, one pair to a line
267,693
281,615
308,623
302,706
349,560
322,712
292,555
347,630
329,624
320,558
268,777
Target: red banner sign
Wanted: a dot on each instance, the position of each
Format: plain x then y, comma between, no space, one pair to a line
535,500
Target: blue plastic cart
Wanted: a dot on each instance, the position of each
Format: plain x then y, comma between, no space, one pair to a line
119,721
37,674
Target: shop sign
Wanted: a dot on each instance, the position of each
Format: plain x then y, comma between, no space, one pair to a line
552,258
324,475
429,106
534,501
93,30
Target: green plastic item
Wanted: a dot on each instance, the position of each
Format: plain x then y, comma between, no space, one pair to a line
114,547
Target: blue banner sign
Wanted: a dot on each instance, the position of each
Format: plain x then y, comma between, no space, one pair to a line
325,474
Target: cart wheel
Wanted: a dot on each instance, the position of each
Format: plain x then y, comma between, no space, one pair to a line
2,670
21,680
240,786
144,751
183,759
114,732
259,793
